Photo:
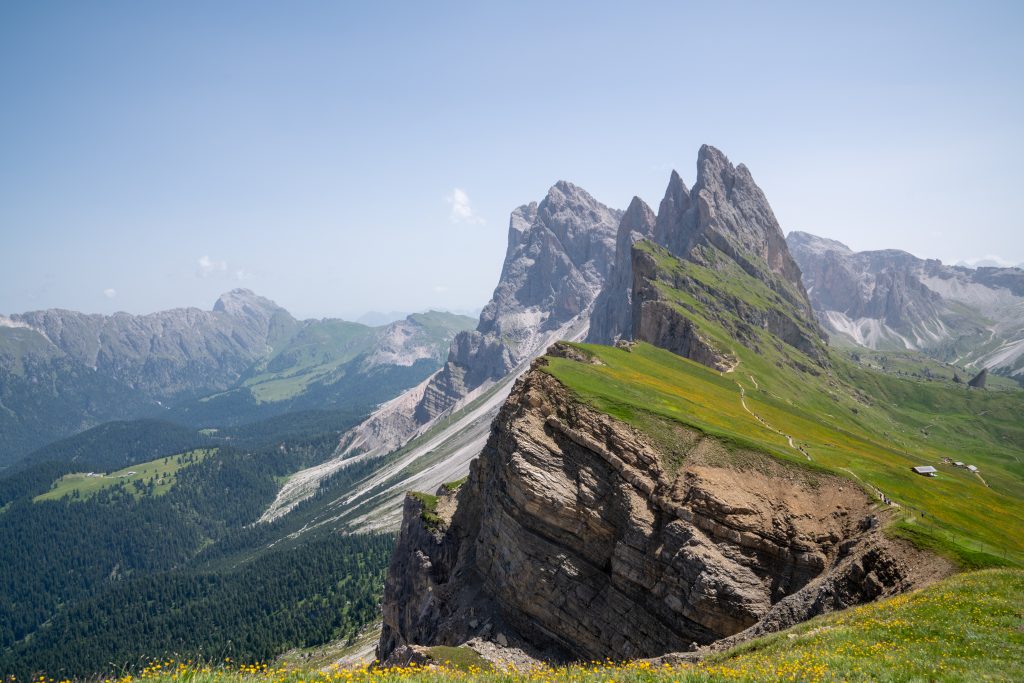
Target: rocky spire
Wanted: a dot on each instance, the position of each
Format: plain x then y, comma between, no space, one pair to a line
560,252
612,319
727,210
669,230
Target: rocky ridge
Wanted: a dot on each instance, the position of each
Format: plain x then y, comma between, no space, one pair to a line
165,354
725,226
892,300
63,371
560,252
573,539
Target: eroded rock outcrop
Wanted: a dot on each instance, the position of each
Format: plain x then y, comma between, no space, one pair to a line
573,538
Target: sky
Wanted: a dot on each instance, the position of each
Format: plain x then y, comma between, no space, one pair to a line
343,157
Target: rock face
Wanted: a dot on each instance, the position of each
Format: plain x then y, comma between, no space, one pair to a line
724,222
892,300
172,352
559,255
612,318
727,210
573,539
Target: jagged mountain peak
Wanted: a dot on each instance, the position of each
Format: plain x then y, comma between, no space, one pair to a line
611,319
724,218
559,255
673,207
727,210
890,299
569,209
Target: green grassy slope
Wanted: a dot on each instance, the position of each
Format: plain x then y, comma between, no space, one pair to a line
314,353
862,424
965,628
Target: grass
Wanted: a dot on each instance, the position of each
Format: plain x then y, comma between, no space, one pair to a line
854,421
968,627
319,351
452,486
460,658
428,508
162,472
324,350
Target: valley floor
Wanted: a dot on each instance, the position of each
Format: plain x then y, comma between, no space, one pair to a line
968,627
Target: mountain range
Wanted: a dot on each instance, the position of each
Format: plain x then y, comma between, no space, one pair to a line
892,300
719,474
247,358
668,433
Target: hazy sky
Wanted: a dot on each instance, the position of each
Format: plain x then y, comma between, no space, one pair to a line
342,157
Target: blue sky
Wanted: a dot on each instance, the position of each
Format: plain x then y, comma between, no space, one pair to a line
343,157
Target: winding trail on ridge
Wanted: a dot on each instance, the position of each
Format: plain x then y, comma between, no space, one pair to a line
743,402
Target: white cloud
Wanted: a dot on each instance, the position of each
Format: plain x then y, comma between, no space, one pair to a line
440,289
110,292
208,267
462,209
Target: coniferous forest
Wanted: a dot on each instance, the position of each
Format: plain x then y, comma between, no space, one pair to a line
101,580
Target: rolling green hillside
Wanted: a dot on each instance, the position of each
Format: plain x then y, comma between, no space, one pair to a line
866,425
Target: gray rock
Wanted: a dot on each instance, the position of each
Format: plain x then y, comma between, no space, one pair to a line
725,217
611,319
560,253
892,300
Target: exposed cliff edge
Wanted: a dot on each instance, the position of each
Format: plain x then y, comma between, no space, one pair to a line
575,537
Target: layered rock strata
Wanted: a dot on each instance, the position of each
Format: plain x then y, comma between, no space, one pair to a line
573,539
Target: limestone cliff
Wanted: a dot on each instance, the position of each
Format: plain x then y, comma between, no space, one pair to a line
612,317
576,537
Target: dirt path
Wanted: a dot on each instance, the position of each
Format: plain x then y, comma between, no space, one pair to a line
789,439
881,494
